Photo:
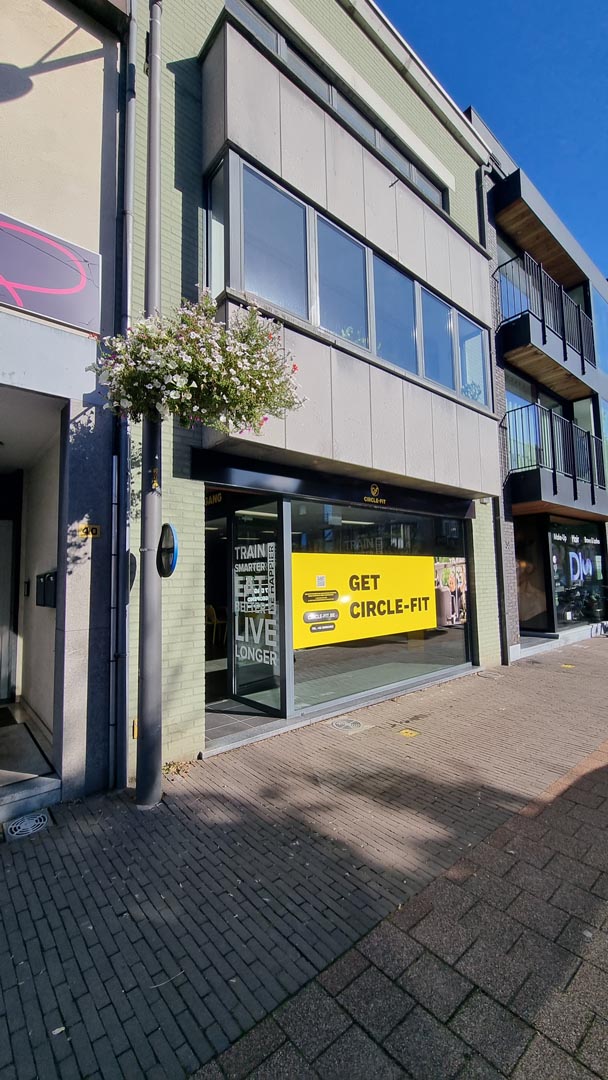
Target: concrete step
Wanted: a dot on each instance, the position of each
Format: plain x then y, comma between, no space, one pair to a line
29,795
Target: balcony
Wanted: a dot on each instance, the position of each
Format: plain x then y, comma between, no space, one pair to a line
542,330
554,464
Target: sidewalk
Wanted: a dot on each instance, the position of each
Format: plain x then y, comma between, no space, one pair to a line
147,944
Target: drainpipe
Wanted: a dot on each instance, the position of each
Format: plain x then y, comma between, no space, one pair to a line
149,734
121,504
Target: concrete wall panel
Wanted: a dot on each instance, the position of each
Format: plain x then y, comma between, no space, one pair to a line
351,421
469,462
253,102
309,429
344,162
418,422
214,100
481,304
461,290
380,208
388,436
445,441
410,231
436,234
302,143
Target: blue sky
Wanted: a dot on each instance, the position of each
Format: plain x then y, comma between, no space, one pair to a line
537,72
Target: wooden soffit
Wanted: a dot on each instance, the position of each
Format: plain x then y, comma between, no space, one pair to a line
521,224
540,367
540,507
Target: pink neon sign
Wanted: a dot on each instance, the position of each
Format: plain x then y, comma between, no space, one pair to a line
43,275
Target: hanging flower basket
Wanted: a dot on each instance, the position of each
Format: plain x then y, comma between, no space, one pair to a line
190,366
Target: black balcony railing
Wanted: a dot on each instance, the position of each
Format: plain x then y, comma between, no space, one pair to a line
523,286
539,438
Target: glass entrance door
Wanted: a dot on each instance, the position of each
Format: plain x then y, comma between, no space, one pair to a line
255,652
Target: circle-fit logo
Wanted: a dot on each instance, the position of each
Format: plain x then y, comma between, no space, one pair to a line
374,497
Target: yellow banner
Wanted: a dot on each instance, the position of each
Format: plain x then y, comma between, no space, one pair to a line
348,597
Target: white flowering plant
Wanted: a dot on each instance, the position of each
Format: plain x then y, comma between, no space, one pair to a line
229,377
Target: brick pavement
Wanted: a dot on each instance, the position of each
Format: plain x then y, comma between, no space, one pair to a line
146,944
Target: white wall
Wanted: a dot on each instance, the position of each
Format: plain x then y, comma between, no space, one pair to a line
35,676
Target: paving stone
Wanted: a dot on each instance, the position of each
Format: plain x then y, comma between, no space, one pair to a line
597,856
544,1061
540,883
285,1064
546,958
435,985
489,1028
601,887
573,870
529,850
426,1049
573,846
580,903
591,986
375,1003
340,974
389,949
440,934
354,1056
312,1020
492,925
594,1050
478,1069
538,915
557,1014
252,1049
494,859
494,970
587,941
211,1071
495,890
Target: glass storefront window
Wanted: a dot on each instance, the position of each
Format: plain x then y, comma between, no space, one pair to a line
342,284
395,315
578,572
379,598
275,244
437,336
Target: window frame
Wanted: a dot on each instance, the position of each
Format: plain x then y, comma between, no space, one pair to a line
366,284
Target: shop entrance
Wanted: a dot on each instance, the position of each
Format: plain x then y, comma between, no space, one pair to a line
243,576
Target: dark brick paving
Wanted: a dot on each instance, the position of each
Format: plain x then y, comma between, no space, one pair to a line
147,944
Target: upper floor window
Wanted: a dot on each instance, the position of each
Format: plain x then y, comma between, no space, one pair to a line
437,340
285,252
395,308
274,244
342,284
472,347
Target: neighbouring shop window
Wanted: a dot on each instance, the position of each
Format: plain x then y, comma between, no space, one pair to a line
437,337
217,200
531,558
578,573
275,244
472,343
379,597
395,315
342,284
256,637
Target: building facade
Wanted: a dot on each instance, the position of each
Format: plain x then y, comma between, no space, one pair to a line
312,166
551,315
60,93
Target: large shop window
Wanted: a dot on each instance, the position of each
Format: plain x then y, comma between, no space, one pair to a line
438,348
275,244
379,598
395,315
342,286
578,573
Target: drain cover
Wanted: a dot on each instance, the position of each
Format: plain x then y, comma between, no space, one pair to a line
27,825
344,723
